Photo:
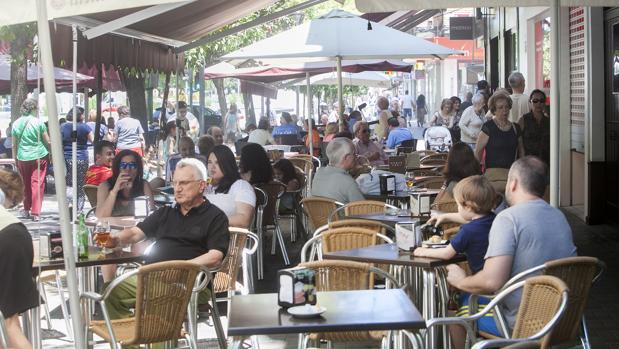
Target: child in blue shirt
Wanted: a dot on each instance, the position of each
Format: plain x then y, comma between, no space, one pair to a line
475,197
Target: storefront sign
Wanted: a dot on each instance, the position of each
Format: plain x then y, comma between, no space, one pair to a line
461,28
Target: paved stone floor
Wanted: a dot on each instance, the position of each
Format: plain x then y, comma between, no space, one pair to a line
602,312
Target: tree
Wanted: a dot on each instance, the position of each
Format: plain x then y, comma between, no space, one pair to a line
20,36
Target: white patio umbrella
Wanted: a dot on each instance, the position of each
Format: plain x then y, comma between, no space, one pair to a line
366,78
340,35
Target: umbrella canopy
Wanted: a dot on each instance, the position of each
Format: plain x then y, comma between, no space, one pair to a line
272,73
397,5
341,34
63,77
368,78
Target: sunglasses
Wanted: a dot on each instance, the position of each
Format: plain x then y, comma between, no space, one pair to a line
128,165
537,101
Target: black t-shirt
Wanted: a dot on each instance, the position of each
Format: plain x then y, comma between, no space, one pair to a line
183,237
18,291
502,147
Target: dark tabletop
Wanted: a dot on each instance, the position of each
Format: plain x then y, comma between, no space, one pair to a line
95,257
390,254
400,194
381,217
117,223
362,310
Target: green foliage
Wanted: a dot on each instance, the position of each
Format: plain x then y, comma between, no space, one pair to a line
19,33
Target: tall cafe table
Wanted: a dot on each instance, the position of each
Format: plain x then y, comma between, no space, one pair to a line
405,267
363,310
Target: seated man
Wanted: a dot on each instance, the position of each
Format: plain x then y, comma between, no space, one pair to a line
366,147
217,134
527,234
101,171
334,181
186,149
287,127
397,134
193,230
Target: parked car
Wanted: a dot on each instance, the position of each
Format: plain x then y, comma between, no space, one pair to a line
211,117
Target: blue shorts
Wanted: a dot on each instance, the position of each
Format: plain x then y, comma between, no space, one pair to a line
486,323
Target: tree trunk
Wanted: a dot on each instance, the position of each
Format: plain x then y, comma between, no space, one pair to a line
221,96
19,72
250,115
136,93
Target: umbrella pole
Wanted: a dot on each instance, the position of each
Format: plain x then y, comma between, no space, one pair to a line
310,131
74,133
554,104
340,99
45,49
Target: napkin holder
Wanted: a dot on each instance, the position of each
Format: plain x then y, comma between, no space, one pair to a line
297,286
50,245
420,204
387,183
408,235
141,206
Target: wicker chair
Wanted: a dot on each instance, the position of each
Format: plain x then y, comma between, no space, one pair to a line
227,274
334,275
358,208
4,337
308,158
437,159
431,182
318,210
579,273
338,239
544,300
163,293
424,153
91,193
376,226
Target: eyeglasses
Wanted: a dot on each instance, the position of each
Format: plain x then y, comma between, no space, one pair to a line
537,101
128,165
184,183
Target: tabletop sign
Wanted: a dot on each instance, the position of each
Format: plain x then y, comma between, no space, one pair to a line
297,286
50,245
387,183
142,206
420,204
408,235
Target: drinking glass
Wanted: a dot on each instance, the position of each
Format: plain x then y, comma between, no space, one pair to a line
103,234
410,180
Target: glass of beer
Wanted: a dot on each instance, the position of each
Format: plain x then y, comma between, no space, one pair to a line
410,180
102,236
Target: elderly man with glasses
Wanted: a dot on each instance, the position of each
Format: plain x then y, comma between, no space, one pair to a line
193,229
334,181
366,147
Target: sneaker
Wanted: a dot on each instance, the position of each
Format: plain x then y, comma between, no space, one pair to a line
24,213
35,218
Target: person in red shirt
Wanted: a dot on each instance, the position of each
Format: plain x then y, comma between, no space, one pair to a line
101,171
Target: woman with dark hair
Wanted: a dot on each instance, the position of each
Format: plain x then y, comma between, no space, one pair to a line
420,110
84,135
285,172
226,189
18,292
167,147
535,127
461,163
255,165
115,196
444,116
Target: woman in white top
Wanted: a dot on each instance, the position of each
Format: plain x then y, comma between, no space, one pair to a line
227,190
261,135
472,119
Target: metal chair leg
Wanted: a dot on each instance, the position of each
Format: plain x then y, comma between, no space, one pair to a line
63,305
221,336
584,338
280,237
45,306
273,241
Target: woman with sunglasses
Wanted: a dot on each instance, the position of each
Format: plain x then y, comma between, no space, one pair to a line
115,196
226,189
535,127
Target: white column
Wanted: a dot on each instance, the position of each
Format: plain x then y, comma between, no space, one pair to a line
554,103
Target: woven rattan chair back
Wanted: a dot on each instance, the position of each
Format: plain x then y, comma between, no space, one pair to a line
541,299
424,153
163,292
225,278
375,226
304,164
364,207
347,239
91,193
438,159
336,275
426,173
274,191
578,274
318,210
524,345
